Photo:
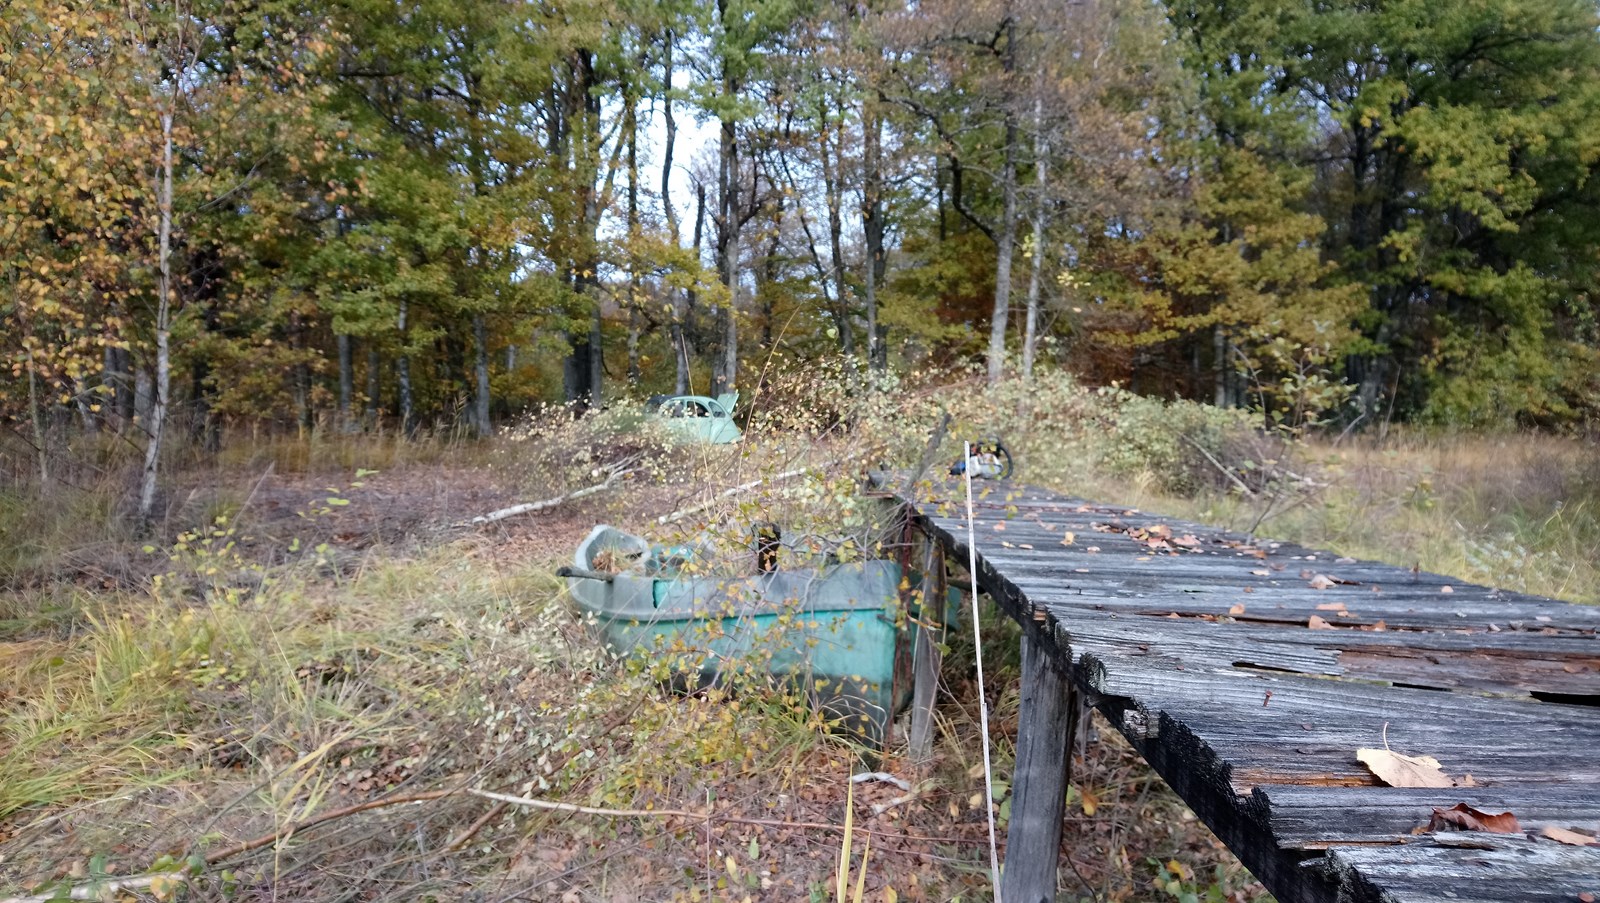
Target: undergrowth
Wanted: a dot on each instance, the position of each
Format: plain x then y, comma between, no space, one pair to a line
305,631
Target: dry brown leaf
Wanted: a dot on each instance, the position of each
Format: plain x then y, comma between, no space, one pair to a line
1237,609
1322,581
1447,589
1586,897
1068,539
1316,622
1462,817
1187,540
1261,573
1000,527
1571,838
1331,606
1397,770
1160,530
1092,549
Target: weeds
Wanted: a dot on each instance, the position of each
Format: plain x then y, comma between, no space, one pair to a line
257,668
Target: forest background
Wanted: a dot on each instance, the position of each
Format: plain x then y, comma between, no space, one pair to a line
216,213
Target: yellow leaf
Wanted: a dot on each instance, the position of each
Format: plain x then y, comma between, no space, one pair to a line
1397,770
162,887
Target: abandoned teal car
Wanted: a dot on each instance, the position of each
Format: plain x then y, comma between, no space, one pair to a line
697,418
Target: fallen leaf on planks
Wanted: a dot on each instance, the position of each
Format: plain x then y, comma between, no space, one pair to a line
1237,609
1068,539
1462,817
1331,606
1586,897
1571,838
1261,573
1397,770
1447,589
1316,622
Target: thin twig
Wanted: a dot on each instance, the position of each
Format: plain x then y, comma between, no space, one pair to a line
1226,471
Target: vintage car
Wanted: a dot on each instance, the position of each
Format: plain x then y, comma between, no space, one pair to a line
697,418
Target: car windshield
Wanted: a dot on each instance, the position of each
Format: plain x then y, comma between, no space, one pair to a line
686,407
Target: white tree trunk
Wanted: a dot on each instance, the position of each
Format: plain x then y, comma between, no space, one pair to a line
1008,224
1041,149
158,404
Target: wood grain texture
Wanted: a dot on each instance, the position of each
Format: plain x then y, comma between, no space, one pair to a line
1249,690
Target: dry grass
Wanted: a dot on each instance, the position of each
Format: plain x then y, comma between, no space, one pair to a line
156,703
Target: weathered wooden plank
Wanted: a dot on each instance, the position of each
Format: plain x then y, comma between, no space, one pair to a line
1465,869
1048,715
1203,660
1313,817
1502,664
926,657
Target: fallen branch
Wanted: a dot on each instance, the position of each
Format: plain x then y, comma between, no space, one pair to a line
551,806
882,777
682,513
104,889
530,507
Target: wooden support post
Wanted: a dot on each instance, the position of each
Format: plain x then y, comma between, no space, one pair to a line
1039,786
926,657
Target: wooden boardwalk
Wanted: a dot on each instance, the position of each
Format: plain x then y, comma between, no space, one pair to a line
1249,691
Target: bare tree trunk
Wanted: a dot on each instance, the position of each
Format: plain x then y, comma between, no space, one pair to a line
144,395
158,407
402,372
724,372
635,303
119,377
686,301
1041,149
373,386
300,374
480,335
36,416
676,331
347,383
872,226
1008,226
832,151
769,274
80,396
1219,358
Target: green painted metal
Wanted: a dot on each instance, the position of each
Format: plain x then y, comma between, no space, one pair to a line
699,419
831,631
